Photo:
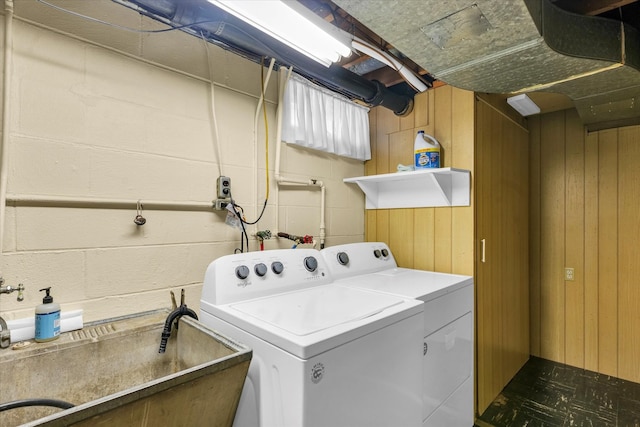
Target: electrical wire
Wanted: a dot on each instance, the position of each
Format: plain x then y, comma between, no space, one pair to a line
243,234
266,126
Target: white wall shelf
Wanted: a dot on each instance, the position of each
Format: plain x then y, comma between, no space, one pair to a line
416,189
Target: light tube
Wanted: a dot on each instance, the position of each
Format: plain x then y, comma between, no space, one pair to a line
292,24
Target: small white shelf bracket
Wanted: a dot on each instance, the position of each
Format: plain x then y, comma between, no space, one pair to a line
416,189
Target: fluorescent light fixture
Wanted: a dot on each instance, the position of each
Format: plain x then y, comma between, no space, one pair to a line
523,105
293,24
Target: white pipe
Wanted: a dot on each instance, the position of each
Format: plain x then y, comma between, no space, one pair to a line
282,180
6,113
283,78
389,60
215,136
104,203
322,225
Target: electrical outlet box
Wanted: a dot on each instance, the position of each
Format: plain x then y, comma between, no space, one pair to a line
568,274
221,204
224,187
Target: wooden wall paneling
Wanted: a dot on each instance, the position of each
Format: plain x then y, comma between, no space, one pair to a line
421,110
424,242
401,149
574,239
388,123
443,122
591,252
483,280
608,253
377,222
401,236
382,225
424,218
371,226
552,205
493,284
517,244
370,165
401,232
534,234
408,121
628,266
462,155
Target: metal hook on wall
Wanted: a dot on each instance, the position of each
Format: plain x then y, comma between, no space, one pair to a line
139,219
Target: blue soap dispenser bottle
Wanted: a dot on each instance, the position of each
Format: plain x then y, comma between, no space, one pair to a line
47,319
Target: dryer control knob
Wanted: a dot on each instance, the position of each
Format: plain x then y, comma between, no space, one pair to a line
310,263
277,267
343,258
377,253
385,253
260,269
242,272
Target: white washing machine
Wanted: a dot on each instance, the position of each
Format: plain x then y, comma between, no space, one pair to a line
323,354
447,340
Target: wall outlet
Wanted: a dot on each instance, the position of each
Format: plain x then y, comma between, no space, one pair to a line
568,274
224,187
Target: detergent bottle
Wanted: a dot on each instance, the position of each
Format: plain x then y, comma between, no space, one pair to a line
426,151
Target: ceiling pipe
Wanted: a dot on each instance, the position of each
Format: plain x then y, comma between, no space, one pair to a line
233,34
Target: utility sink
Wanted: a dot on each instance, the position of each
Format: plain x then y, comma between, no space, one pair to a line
113,373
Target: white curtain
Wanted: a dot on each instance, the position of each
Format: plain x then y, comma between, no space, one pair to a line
318,118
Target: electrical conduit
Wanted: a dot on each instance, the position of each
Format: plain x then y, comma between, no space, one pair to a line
389,60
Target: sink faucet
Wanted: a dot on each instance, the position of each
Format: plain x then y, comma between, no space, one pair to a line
5,336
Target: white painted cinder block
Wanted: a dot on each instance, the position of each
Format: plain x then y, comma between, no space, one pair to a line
92,123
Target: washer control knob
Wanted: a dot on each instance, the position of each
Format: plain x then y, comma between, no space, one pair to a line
385,253
277,267
343,258
242,272
260,269
377,253
311,263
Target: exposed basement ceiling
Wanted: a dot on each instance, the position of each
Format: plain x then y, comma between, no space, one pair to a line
516,46
590,56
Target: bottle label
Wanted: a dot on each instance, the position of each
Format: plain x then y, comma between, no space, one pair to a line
47,325
427,158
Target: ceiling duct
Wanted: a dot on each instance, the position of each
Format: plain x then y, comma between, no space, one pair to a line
517,46
201,18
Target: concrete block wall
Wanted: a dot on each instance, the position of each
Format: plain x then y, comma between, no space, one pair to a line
92,122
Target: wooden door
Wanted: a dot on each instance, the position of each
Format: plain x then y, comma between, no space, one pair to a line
502,216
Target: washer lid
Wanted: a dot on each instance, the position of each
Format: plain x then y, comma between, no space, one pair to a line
312,310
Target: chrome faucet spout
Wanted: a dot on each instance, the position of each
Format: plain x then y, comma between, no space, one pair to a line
9,289
5,335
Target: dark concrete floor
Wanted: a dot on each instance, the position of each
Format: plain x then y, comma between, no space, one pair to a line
550,394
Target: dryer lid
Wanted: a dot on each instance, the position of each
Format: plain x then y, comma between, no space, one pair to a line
312,310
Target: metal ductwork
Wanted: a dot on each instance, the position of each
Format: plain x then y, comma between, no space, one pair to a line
516,46
202,19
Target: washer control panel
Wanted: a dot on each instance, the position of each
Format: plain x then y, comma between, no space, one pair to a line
249,275
357,258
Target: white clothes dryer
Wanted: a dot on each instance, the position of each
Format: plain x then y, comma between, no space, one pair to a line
447,340
323,354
